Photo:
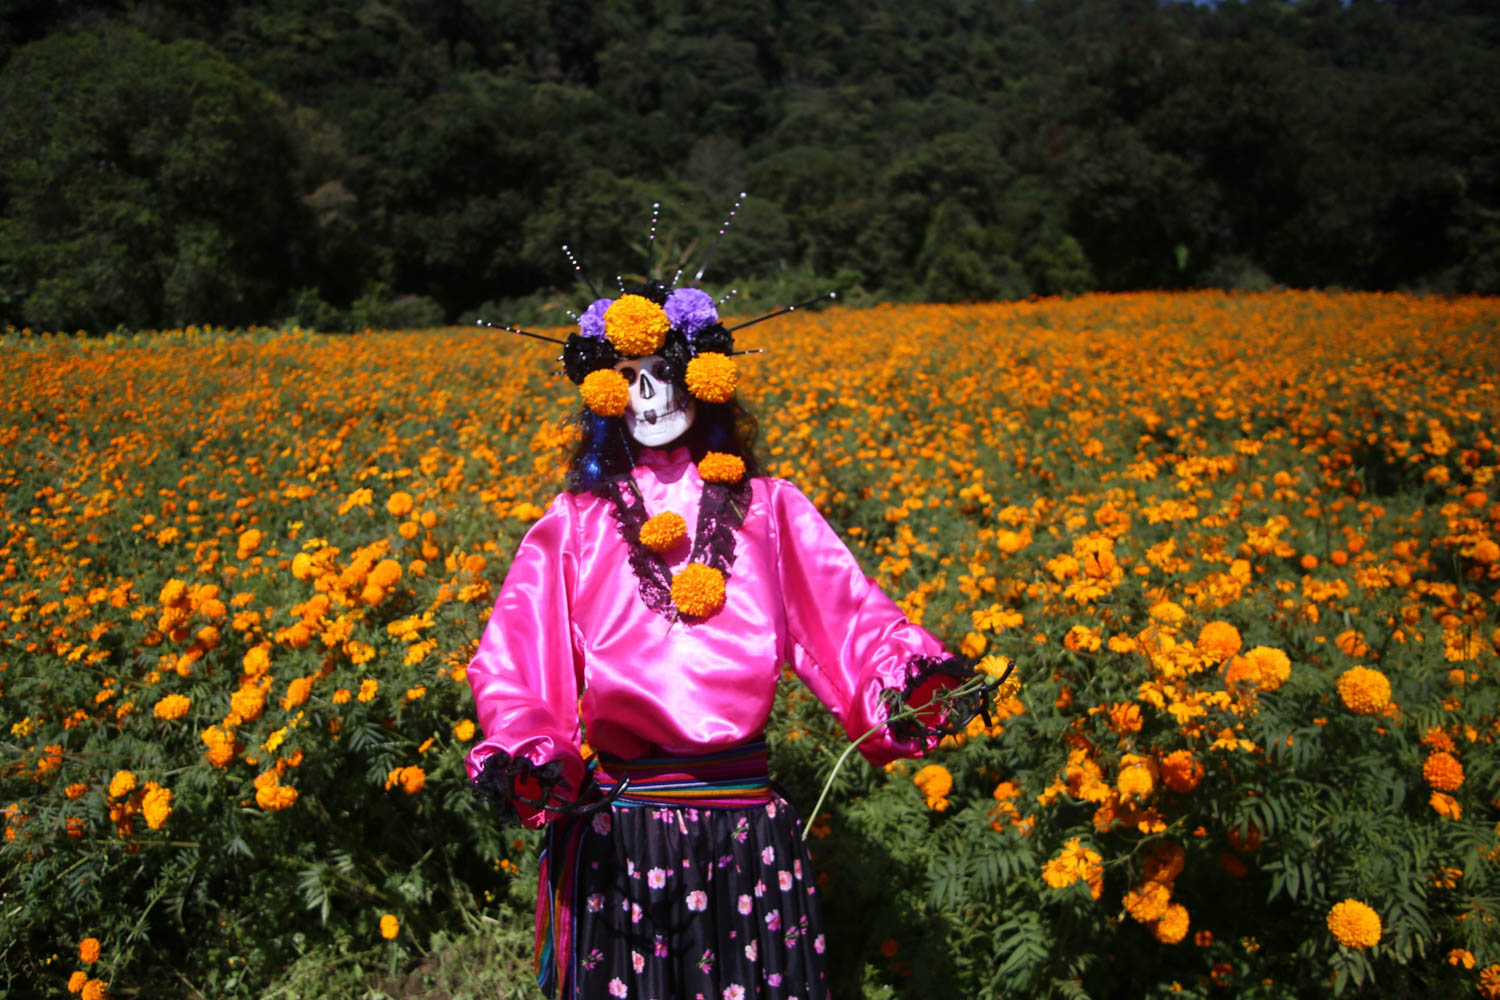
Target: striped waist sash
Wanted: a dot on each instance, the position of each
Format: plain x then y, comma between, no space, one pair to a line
729,779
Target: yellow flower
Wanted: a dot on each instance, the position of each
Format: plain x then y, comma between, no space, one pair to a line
399,504
712,377
1135,779
720,467
173,706
1354,925
367,689
1364,691
275,797
463,731
1446,805
249,541
248,703
157,805
606,392
1148,902
77,980
698,591
636,326
663,531
297,692
123,783
1074,863
1273,667
94,989
88,950
389,926
1219,641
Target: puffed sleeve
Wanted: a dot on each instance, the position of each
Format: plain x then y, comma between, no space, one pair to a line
526,676
851,643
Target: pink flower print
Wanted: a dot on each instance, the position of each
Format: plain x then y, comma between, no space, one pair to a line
742,830
771,809
752,950
760,888
791,936
819,944
637,961
774,979
630,868
635,913
697,900
656,878
746,905
596,902
797,869
784,879
617,988
773,920
734,992
706,962
594,958
691,814
660,948
602,823
768,856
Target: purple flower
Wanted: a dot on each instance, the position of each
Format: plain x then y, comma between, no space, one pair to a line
690,310
591,323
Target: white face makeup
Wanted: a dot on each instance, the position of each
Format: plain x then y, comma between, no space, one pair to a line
658,413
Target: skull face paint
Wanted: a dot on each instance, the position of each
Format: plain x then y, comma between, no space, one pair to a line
659,413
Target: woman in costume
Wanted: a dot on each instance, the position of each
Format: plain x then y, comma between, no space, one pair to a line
654,603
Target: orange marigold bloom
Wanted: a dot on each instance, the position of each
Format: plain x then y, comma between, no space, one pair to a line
1074,863
249,541
386,573
1173,925
123,783
156,806
1135,780
663,531
173,706
275,797
409,779
712,377
248,703
1364,691
1181,771
367,689
698,591
1125,717
1273,667
721,467
1446,806
389,926
297,692
463,730
76,981
1148,902
76,790
605,392
400,504
1219,641
1165,861
935,782
1352,643
94,989
636,326
1354,925
1437,739
1443,772
88,950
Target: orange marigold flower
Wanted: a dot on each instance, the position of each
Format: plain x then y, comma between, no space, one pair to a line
249,541
636,326
88,950
1165,861
663,531
1354,925
1364,691
122,784
1181,771
409,779
76,790
721,467
1173,925
1461,956
94,989
1135,780
1437,739
76,981
173,706
1219,641
386,573
606,392
275,797
1125,717
712,377
1074,863
1352,643
157,805
1273,667
1446,806
1443,772
935,782
367,689
389,926
400,504
698,591
297,692
1148,902
248,703
463,730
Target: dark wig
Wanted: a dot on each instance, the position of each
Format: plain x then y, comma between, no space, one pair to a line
606,452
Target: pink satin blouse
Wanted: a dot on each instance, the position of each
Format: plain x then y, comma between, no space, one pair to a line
570,636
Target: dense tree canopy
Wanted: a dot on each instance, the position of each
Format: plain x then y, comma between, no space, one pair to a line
353,162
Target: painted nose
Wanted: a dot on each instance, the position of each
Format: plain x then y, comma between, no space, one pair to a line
648,388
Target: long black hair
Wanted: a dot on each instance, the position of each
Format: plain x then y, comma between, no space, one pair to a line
605,452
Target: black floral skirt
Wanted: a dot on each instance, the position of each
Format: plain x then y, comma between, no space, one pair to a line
695,884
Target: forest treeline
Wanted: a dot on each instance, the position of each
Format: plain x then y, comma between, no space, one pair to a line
350,163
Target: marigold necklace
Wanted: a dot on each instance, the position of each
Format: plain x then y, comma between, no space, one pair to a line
697,591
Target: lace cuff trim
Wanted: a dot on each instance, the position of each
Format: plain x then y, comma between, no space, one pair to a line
931,674
507,782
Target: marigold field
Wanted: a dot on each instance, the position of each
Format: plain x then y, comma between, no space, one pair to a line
1245,551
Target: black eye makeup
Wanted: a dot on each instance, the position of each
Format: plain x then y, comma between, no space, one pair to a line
629,372
660,371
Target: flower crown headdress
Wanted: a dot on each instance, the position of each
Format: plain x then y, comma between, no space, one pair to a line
679,324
